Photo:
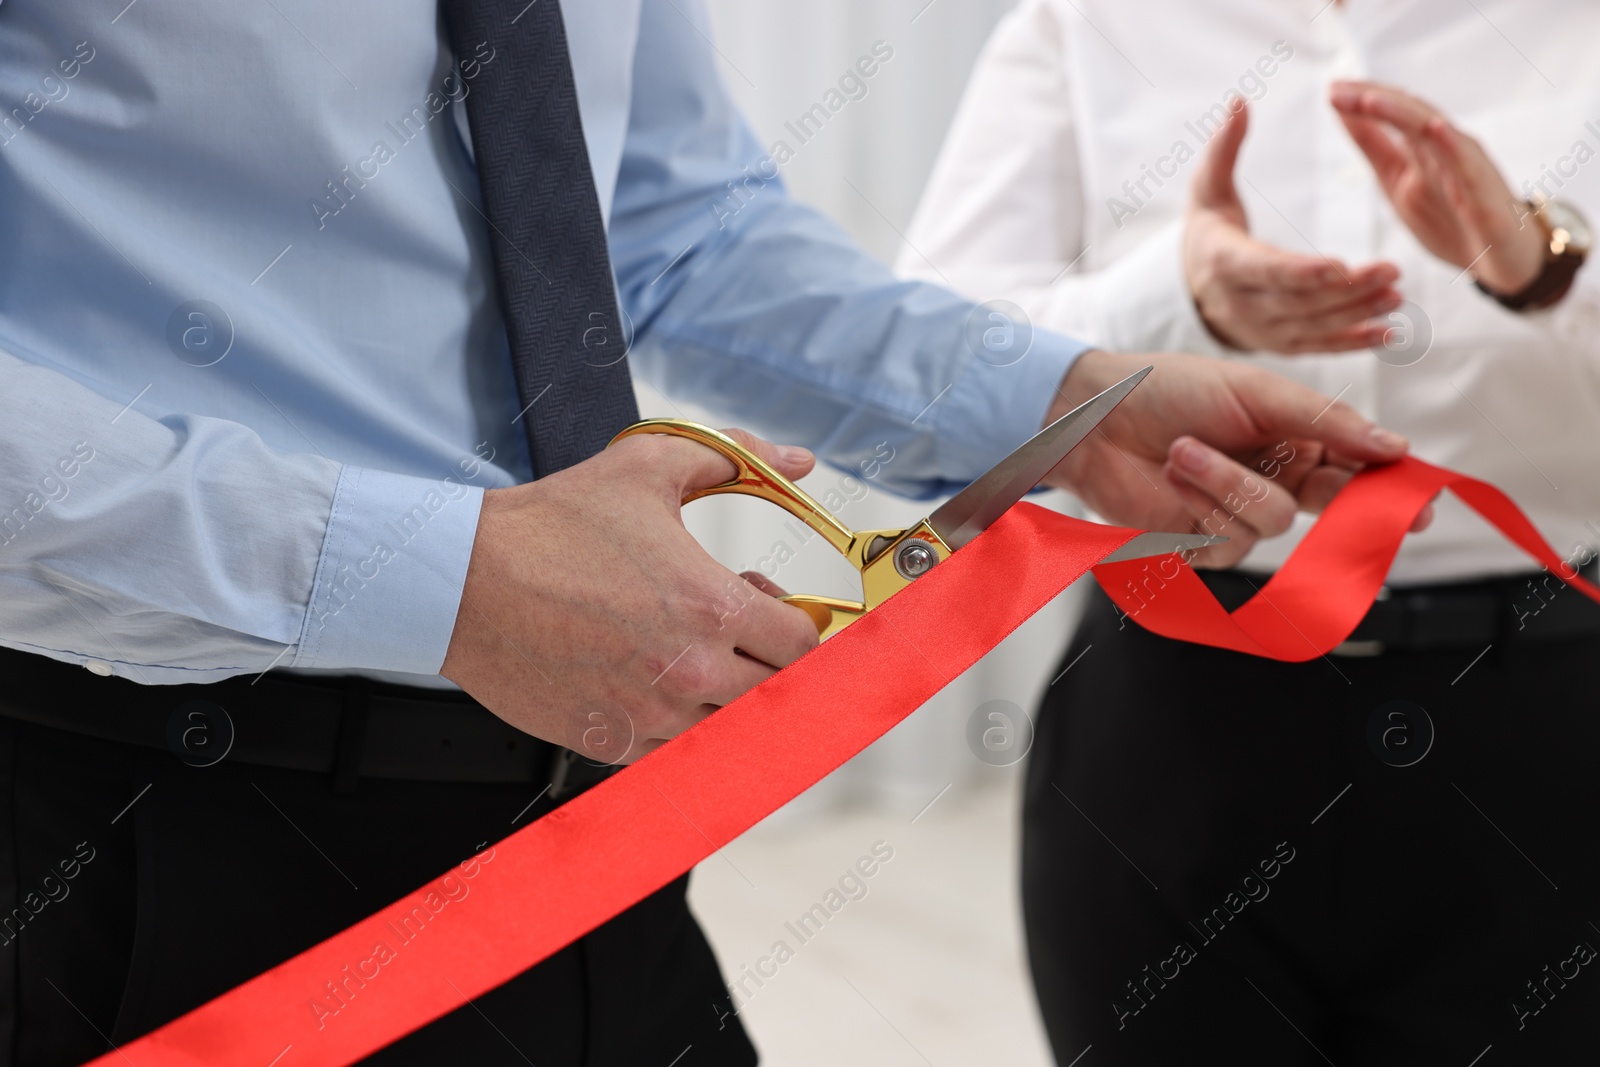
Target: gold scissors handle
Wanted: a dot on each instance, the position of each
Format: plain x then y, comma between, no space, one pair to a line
753,477
890,560
867,550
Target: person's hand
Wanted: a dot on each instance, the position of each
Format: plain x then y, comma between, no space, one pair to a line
592,619
1214,446
1443,185
1253,296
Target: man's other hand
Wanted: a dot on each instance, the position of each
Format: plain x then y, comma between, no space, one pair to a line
1214,446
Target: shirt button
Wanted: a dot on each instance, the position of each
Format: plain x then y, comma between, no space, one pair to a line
100,667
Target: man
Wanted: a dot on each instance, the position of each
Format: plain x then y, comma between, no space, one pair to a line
1312,864
296,300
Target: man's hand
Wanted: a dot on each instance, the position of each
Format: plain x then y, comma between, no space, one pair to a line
592,619
1253,296
1271,447
1443,185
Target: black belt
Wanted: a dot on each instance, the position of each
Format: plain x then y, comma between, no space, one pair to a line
344,726
1501,611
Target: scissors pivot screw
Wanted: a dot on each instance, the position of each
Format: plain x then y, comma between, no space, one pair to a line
913,559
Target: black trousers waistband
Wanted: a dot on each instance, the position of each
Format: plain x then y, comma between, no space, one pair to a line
346,727
1514,609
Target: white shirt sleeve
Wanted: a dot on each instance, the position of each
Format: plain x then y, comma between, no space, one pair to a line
1002,216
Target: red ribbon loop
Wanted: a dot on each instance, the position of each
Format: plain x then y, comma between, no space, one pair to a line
1326,586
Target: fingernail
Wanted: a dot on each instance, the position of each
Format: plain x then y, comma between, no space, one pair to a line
1387,440
1189,455
793,454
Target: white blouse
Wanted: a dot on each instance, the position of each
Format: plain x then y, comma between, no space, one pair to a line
1063,181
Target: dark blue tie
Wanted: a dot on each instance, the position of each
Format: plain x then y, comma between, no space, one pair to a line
549,242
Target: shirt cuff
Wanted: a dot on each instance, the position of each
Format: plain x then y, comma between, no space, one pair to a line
1145,304
991,409
388,583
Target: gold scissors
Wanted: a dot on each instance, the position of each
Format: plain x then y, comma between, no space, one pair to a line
890,560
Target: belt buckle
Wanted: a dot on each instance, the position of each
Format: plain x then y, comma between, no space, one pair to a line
1357,649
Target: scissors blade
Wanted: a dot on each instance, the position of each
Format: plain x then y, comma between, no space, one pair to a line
1161,544
967,514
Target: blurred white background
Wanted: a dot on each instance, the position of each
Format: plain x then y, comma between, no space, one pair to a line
928,967
866,169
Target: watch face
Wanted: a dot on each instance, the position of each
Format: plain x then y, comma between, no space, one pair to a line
1562,216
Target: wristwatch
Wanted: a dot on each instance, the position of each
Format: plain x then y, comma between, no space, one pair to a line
1569,240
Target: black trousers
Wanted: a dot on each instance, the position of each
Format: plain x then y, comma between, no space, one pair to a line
1224,860
133,915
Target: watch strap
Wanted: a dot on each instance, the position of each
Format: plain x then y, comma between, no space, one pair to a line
1550,286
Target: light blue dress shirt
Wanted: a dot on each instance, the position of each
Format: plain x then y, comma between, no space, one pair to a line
253,374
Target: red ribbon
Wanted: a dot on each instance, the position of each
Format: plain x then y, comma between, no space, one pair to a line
553,881
1324,588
